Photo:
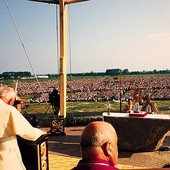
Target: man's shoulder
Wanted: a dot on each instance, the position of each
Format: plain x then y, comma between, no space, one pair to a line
94,164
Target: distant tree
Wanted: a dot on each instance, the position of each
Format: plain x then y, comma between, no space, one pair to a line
113,71
15,75
8,75
125,71
1,76
155,71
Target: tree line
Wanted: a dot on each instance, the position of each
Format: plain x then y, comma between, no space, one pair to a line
15,75
116,72
109,72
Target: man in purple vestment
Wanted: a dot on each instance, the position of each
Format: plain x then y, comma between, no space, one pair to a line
99,147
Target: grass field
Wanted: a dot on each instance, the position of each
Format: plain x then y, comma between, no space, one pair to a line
74,107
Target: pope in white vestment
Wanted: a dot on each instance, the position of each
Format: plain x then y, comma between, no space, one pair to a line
13,123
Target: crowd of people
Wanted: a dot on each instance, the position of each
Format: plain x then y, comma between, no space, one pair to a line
99,89
98,140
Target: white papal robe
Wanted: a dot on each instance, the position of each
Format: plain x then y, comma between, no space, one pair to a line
13,123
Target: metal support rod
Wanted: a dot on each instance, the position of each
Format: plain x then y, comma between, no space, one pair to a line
120,88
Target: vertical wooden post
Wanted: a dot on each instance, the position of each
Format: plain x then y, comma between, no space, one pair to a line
63,55
63,48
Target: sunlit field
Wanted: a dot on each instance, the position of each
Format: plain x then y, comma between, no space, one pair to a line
74,107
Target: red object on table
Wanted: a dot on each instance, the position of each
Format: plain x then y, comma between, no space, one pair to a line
143,114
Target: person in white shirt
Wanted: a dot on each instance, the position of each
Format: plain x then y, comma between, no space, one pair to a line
13,123
137,97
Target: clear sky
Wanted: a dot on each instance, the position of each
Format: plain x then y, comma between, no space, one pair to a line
104,34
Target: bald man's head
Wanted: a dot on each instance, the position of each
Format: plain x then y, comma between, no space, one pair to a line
97,139
8,95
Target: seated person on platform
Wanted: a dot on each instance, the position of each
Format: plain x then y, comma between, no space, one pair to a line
13,123
98,147
137,96
149,106
128,107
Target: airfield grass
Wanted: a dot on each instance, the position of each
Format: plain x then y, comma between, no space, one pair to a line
84,106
